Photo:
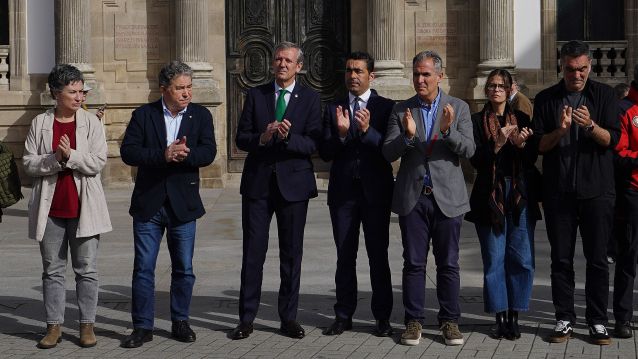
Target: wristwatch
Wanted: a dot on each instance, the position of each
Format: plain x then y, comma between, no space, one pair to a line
590,128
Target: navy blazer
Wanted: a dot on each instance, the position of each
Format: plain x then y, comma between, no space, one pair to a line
360,156
290,158
157,181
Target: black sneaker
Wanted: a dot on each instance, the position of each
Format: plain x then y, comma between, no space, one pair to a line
562,332
623,330
598,335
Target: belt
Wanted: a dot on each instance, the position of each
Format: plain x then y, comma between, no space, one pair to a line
427,190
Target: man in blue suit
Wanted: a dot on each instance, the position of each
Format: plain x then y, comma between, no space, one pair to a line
360,192
279,127
168,140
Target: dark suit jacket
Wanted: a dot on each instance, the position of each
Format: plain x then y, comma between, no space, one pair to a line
362,155
157,181
289,158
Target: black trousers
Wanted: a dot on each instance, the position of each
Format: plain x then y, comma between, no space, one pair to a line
626,260
563,215
291,220
347,215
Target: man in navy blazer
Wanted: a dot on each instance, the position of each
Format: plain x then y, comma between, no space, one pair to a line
168,140
279,128
359,192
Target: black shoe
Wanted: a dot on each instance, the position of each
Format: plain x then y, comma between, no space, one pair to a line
598,334
138,338
339,326
499,330
623,330
292,329
562,332
383,328
513,331
182,331
242,331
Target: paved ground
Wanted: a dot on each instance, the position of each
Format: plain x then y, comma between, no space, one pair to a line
214,307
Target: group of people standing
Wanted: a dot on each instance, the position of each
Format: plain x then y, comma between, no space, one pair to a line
577,125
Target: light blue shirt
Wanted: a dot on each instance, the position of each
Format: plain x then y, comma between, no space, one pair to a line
428,113
172,123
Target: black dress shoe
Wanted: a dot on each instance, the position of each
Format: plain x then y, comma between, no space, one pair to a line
499,330
182,331
292,329
383,328
339,326
138,338
513,330
242,331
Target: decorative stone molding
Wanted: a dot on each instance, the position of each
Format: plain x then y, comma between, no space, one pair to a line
191,39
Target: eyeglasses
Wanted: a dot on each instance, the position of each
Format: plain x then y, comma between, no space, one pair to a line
494,87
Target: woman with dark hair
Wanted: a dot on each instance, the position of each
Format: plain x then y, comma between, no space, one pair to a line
504,205
65,151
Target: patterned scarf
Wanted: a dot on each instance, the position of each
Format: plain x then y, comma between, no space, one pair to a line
492,126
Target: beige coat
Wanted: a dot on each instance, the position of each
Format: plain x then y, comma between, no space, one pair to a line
86,161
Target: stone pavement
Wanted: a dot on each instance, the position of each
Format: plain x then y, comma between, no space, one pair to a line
214,307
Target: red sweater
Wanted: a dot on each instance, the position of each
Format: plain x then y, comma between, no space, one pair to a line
65,202
627,147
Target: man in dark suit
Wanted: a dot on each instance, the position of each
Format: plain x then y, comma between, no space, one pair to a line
430,132
279,127
360,192
168,140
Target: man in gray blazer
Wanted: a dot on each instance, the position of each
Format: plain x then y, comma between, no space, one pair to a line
430,132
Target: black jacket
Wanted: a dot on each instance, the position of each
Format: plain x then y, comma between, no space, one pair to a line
157,181
594,166
483,159
360,156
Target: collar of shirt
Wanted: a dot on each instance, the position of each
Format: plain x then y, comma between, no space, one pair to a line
428,111
172,123
512,96
288,91
363,99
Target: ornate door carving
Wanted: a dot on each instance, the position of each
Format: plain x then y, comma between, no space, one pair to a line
254,27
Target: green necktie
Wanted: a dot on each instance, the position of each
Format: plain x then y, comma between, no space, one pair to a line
281,106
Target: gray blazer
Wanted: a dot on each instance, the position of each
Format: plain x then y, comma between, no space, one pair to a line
444,157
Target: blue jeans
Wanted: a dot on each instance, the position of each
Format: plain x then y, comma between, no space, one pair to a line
180,238
508,262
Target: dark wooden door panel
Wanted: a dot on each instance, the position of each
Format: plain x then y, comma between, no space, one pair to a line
254,27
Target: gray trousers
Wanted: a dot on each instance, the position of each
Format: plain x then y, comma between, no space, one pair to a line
59,238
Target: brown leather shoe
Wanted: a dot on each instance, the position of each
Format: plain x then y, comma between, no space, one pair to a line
52,338
87,336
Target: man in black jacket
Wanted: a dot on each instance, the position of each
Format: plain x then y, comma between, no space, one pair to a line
578,128
360,192
168,140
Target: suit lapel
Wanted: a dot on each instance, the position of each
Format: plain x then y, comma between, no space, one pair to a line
439,112
158,122
269,94
292,102
186,124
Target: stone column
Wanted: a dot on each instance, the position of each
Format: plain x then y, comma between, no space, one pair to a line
73,36
383,43
191,39
497,35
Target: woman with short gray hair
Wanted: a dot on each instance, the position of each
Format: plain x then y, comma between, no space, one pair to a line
65,151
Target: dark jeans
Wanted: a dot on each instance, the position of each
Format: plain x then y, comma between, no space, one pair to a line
426,221
180,238
347,216
626,261
563,215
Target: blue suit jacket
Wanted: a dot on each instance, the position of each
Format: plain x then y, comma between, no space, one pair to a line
362,155
157,181
290,159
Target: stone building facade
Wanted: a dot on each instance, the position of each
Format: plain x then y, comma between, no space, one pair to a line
121,44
